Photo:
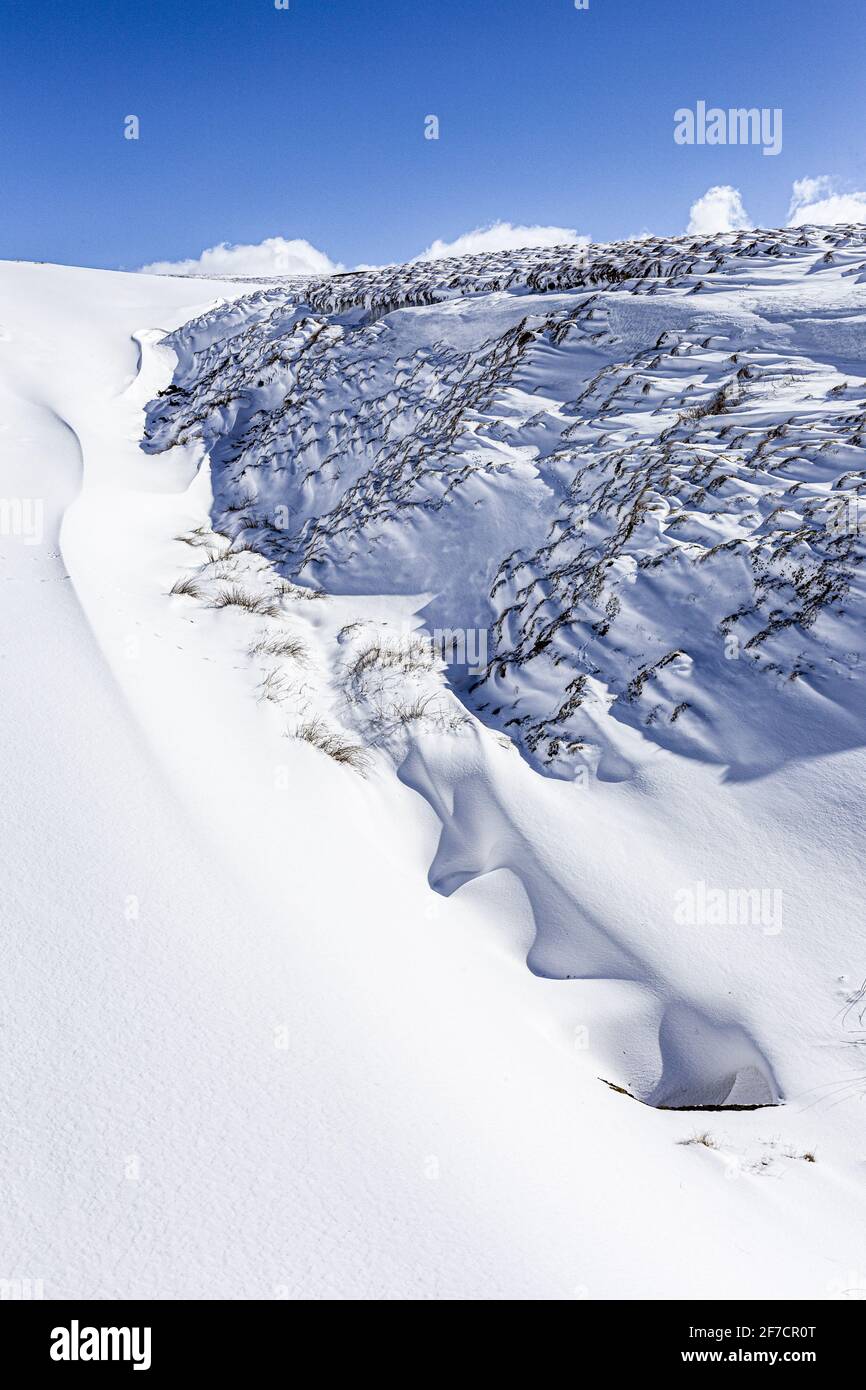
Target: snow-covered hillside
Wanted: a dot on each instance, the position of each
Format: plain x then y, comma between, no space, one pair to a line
639,468
438,692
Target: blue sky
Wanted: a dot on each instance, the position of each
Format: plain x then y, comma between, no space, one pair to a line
258,122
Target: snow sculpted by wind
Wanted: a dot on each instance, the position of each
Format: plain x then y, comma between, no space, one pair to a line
630,472
457,618
620,463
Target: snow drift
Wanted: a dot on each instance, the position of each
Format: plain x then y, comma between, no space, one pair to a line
438,692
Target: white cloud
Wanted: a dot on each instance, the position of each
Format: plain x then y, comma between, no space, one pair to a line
809,190
719,210
277,256
273,256
502,236
815,200
842,207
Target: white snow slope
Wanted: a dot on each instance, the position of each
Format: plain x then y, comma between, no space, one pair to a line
320,946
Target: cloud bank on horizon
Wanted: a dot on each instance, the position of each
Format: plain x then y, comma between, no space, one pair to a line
275,255
502,236
278,256
813,200
816,200
721,209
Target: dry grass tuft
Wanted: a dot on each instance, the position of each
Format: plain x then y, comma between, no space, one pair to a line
414,655
273,687
289,590
317,733
275,644
704,1138
236,597
187,587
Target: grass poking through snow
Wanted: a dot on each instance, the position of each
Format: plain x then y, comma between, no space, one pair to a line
236,597
704,1138
187,587
335,744
276,644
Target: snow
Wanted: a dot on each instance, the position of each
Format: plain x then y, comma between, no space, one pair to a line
278,1025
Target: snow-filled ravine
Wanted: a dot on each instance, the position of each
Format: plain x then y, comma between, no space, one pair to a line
433,751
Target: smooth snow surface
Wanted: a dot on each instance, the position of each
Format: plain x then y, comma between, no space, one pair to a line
284,1024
